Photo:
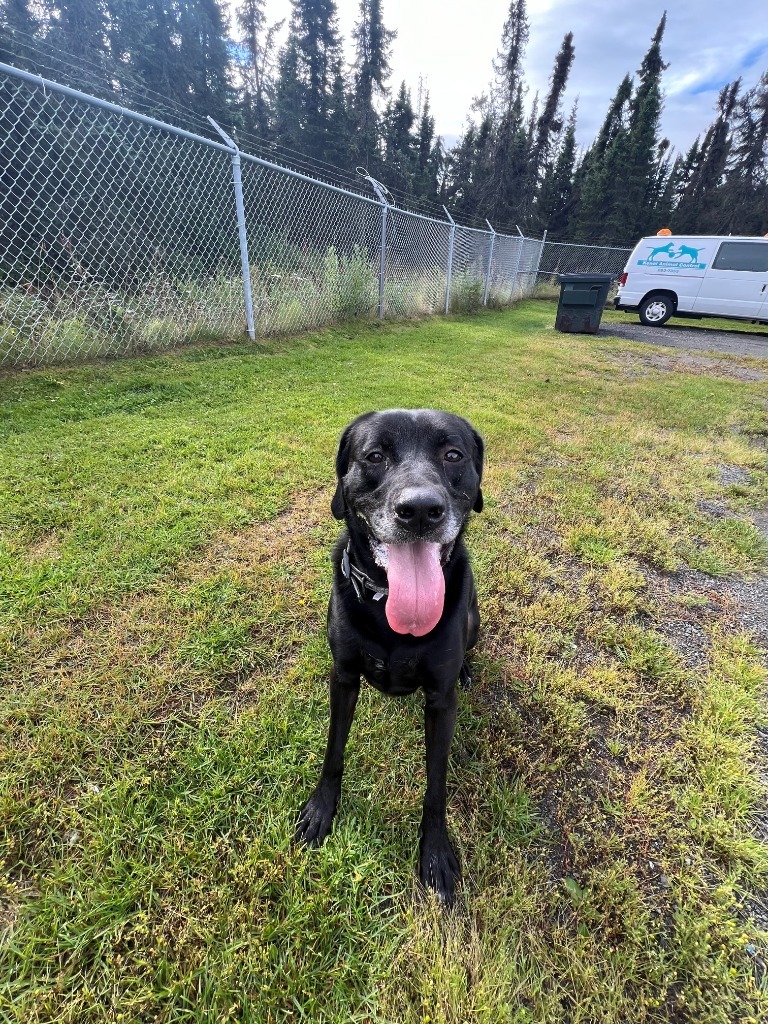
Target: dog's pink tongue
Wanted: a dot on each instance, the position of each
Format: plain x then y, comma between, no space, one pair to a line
416,587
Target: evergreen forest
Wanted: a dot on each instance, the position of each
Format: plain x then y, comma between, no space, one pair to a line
291,95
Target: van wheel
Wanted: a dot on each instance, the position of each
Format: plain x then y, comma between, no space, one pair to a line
655,310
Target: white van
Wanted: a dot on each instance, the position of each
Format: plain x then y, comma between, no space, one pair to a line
696,276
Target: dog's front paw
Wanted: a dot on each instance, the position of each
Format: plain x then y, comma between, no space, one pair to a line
438,866
316,817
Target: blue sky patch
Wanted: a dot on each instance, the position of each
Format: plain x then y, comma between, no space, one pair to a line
715,83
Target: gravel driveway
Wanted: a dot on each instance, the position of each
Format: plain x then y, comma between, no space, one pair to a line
735,342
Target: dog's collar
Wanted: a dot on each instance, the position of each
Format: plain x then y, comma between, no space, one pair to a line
359,580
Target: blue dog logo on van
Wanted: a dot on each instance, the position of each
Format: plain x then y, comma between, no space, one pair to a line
692,254
684,256
667,249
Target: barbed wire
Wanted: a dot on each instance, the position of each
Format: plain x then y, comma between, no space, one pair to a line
116,81
112,80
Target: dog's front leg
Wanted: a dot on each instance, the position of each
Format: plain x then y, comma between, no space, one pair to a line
317,815
438,866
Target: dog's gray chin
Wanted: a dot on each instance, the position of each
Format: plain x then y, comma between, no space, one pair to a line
379,551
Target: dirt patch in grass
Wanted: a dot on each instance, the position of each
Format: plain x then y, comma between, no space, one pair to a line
696,600
44,549
595,698
732,476
636,365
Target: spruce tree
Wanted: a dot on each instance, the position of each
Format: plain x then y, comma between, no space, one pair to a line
549,124
203,58
685,170
429,156
663,200
143,38
555,200
625,172
78,27
633,214
257,65
615,121
614,221
745,190
400,144
289,99
595,182
373,45
700,177
466,167
339,130
502,194
309,66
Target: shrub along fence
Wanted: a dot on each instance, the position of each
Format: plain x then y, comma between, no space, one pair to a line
122,234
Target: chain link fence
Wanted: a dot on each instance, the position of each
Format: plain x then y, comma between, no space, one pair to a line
121,234
568,258
115,236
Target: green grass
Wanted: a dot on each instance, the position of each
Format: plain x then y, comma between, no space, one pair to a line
165,526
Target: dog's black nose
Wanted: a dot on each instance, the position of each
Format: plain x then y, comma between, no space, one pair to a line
420,508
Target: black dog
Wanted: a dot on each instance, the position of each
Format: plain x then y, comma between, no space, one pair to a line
403,609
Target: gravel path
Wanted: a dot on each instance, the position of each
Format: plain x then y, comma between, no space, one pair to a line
735,342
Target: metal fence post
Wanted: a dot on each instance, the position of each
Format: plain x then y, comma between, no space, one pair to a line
517,264
379,189
541,253
383,259
451,237
240,207
490,263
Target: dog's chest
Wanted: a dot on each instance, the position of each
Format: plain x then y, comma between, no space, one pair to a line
396,674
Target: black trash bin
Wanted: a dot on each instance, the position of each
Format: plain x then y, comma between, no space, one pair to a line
582,298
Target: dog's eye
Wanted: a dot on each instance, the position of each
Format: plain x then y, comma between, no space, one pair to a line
453,456
374,457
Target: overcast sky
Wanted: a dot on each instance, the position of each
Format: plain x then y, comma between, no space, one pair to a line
706,44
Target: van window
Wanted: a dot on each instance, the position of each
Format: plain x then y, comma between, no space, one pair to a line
742,256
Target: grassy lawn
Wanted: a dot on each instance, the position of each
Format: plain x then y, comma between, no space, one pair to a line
164,530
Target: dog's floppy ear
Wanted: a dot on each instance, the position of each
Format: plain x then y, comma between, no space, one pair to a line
478,461
338,504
